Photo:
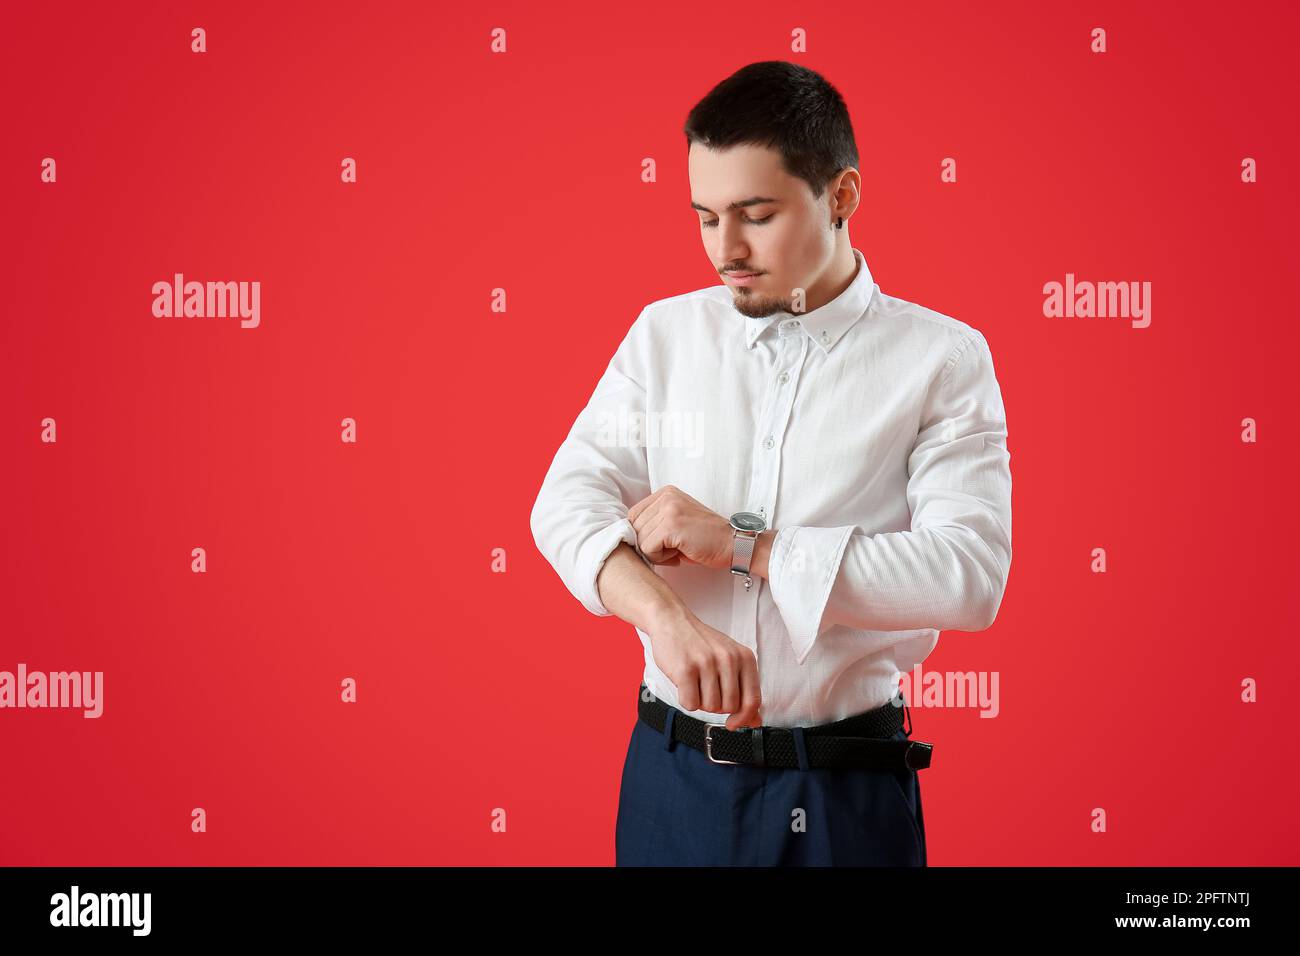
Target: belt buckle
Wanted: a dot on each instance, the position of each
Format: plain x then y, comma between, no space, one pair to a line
708,746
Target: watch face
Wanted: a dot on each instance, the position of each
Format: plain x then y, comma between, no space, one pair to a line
748,521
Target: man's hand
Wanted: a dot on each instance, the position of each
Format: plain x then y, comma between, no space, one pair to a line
710,671
672,527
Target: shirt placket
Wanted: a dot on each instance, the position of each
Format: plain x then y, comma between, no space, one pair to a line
769,440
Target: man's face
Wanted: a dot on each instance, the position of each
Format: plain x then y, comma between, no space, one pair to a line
783,237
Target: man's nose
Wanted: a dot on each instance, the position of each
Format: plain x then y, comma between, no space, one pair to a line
732,249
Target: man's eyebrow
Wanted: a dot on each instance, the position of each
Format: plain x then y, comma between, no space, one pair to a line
738,204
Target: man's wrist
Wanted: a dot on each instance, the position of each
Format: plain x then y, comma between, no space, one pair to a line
666,608
762,552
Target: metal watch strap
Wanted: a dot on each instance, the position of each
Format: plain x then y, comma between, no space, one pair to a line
742,552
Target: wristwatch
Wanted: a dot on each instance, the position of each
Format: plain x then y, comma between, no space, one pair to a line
746,527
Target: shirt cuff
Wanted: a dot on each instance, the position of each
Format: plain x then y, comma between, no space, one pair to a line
801,570
594,552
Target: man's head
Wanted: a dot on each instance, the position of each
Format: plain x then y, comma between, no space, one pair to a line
780,134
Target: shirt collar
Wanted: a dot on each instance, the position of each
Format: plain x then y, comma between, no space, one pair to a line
828,323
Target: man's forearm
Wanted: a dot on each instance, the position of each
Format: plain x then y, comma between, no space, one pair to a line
633,592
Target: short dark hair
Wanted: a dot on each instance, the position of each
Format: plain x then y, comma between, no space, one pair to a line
781,106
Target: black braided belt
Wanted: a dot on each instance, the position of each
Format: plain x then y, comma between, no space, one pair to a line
861,741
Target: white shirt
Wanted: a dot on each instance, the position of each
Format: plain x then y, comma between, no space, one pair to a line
871,434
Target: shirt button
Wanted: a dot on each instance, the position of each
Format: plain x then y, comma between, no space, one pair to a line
784,377
768,442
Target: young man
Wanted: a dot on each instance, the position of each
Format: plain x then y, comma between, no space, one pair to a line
789,483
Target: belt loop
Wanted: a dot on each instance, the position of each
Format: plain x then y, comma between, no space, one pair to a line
668,729
800,748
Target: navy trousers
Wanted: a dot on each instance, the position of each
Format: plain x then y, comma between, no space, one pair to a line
678,808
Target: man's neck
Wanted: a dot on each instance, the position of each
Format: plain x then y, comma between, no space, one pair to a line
840,275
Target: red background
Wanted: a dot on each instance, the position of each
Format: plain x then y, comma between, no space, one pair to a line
480,690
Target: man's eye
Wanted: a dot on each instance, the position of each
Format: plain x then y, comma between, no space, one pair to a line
710,223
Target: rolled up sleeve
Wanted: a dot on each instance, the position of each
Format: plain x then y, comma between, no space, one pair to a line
599,471
949,572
